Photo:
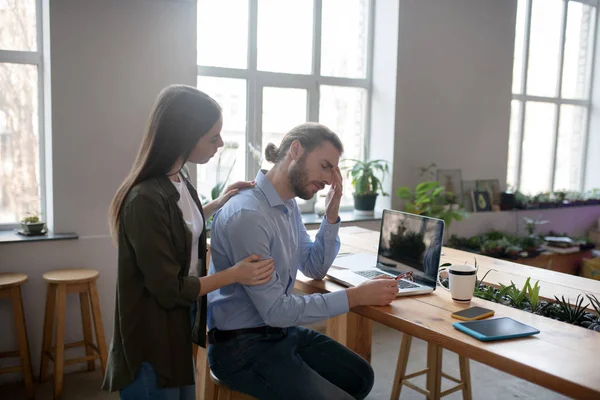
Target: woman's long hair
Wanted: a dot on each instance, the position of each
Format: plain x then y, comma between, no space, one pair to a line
180,117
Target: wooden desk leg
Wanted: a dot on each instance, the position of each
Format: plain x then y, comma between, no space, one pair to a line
353,331
434,375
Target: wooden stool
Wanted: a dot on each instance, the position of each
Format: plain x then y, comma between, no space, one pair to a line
433,371
222,392
61,282
10,288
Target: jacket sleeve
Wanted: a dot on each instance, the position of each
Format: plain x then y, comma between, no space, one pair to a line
147,230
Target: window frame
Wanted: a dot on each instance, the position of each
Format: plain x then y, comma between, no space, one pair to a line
557,99
256,80
35,58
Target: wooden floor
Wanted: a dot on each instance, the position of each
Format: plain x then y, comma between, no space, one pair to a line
488,383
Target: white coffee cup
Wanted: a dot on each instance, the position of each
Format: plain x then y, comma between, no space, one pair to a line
462,279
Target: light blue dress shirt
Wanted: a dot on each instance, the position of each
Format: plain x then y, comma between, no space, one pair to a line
258,221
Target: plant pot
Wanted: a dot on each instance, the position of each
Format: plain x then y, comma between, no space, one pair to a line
365,202
33,228
507,201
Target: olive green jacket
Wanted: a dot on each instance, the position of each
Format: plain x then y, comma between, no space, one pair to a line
154,292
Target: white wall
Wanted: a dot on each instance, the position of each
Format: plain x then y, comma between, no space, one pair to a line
383,92
109,60
454,88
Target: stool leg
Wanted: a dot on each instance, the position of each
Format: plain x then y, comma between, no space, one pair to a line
465,377
401,366
224,393
19,315
98,324
48,329
434,375
84,302
59,355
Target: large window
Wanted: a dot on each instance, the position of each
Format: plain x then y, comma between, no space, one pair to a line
554,50
21,141
273,64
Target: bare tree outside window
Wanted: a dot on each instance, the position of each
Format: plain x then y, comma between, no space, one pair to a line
554,42
20,192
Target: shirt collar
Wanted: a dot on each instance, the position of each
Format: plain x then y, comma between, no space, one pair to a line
268,190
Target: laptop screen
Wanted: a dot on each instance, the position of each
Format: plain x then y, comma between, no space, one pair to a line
411,242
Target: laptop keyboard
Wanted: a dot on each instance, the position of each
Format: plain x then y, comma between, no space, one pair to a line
369,274
402,284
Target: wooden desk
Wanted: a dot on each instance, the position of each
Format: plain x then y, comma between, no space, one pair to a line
560,358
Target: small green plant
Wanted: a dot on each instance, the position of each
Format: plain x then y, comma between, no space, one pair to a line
531,224
570,314
431,200
516,296
595,303
31,219
534,295
364,176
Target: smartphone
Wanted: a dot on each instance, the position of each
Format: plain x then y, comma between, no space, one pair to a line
473,313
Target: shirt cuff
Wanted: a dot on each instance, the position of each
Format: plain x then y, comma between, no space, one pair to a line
191,288
330,231
337,303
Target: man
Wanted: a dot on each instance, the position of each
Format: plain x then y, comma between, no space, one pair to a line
255,343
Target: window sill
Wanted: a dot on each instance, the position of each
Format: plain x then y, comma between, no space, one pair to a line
10,236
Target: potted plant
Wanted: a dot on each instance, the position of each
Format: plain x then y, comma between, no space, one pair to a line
366,183
32,225
531,224
574,198
431,200
592,197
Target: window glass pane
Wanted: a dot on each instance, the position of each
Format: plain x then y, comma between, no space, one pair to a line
544,47
283,109
223,33
344,33
513,144
19,146
537,147
18,25
229,164
519,43
343,110
578,51
285,36
570,151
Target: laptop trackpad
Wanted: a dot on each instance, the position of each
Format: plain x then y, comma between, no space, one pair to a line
356,262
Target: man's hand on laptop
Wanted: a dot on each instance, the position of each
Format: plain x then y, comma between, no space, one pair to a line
252,271
375,292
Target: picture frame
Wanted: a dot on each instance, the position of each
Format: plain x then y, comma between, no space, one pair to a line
451,180
481,201
492,186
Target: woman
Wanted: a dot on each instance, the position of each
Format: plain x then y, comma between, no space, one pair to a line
158,222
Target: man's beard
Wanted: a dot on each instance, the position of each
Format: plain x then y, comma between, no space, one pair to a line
299,179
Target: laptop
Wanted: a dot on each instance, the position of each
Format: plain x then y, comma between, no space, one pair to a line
407,243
